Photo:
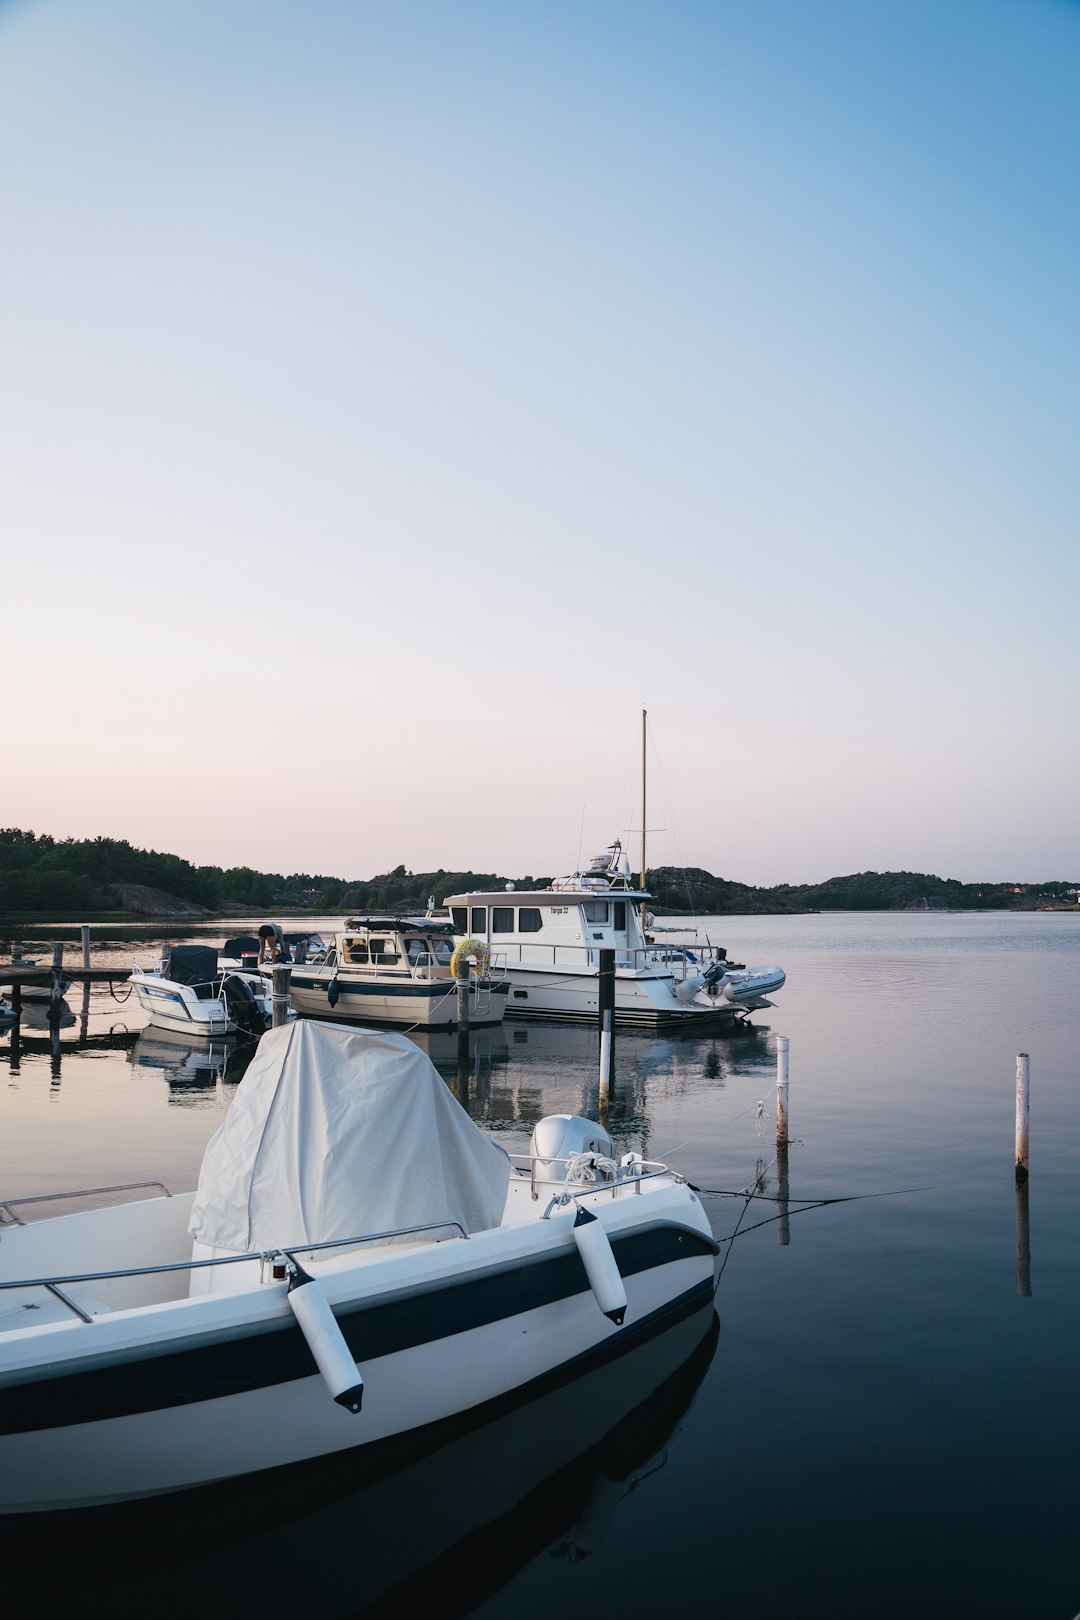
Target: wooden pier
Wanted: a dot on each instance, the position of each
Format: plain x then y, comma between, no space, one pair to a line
55,976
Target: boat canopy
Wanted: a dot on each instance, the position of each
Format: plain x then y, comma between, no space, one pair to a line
338,1131
193,964
398,924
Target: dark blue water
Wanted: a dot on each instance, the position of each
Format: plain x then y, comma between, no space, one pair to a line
885,1424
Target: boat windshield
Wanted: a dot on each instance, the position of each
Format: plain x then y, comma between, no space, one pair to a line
424,952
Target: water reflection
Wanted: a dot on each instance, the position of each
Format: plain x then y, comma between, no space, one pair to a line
199,1072
529,1070
435,1522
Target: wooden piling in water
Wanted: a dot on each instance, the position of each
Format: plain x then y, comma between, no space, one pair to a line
783,1225
280,993
56,988
85,946
1023,1240
782,1044
1023,1113
463,970
606,1006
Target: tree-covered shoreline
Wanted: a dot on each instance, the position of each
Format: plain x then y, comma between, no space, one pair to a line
106,877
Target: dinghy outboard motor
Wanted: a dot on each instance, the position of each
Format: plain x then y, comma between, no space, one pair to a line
240,1000
714,981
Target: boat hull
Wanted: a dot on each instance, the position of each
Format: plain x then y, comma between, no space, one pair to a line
186,1393
166,1006
641,1001
410,1003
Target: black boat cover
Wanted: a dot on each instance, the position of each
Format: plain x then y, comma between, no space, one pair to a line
193,964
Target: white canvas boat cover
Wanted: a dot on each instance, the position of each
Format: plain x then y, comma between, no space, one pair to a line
337,1131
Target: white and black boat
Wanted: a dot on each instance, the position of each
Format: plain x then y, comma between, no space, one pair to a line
355,1240
547,943
190,992
391,969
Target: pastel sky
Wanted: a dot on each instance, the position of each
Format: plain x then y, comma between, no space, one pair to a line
396,396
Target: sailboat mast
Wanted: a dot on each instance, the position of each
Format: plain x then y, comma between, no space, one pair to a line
644,712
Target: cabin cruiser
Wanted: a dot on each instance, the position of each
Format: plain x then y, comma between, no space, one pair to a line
388,969
359,1260
192,992
549,943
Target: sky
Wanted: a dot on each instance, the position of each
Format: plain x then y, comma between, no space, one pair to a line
399,396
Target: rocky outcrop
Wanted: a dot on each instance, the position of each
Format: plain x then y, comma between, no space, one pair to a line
155,902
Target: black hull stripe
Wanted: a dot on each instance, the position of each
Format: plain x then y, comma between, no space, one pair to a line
516,1010
259,1359
425,990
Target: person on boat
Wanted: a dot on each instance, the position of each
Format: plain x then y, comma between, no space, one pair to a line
272,947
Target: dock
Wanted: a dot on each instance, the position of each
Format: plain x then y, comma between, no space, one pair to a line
43,976
55,976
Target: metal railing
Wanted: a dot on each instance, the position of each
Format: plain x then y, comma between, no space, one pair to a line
649,961
7,1205
625,1176
288,1250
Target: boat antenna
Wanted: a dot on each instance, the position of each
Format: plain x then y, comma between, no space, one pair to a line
581,838
644,823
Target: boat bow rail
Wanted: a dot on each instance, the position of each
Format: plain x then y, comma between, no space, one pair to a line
267,1259
9,1205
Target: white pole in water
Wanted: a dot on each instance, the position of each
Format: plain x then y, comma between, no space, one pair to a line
1023,1113
605,1055
782,1044
280,991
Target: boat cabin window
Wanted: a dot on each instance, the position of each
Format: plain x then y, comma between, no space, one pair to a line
383,952
460,914
530,920
502,919
355,952
417,952
596,911
479,920
442,950
618,919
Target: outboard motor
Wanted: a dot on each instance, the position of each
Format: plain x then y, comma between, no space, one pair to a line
240,1000
713,981
559,1136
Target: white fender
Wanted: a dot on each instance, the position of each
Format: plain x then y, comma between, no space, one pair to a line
320,1328
600,1265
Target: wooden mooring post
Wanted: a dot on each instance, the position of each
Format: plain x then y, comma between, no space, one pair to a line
783,1224
463,971
606,1007
56,988
1023,1241
1023,1113
783,1043
280,993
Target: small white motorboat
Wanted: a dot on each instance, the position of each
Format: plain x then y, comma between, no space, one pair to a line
191,992
355,1240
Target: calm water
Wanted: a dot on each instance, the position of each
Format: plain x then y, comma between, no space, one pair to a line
885,1424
